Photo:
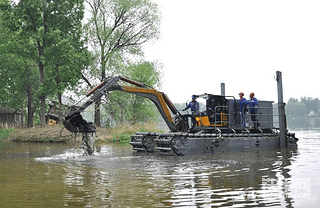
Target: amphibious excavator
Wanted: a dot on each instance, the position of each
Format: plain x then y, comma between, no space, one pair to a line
217,128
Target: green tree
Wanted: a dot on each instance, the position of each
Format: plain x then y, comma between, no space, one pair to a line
296,108
46,34
17,72
119,28
51,25
311,104
51,33
303,113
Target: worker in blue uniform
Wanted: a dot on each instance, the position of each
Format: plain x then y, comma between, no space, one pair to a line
253,108
242,104
194,105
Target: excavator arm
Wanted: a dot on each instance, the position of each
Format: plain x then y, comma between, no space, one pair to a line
75,123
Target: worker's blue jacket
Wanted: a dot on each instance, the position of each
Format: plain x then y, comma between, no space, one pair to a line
242,103
252,103
194,106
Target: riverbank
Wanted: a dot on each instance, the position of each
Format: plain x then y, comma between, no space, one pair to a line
56,133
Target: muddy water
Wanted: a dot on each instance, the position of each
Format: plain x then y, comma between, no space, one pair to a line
57,175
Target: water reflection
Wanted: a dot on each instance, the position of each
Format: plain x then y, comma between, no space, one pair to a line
227,180
117,178
55,175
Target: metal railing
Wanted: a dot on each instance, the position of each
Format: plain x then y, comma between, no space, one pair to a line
224,117
267,119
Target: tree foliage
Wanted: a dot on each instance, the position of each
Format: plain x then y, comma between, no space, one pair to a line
303,107
43,53
18,71
117,28
303,113
46,34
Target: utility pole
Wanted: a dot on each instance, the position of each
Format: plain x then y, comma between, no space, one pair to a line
281,111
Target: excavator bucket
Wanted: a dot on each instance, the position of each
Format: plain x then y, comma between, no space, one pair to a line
76,124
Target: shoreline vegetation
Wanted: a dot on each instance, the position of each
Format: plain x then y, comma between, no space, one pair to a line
57,133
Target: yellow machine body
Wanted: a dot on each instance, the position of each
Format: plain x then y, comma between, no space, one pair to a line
204,121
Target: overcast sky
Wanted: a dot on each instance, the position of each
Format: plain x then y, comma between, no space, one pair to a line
240,43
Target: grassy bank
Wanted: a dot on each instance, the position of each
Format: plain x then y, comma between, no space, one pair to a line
4,133
56,133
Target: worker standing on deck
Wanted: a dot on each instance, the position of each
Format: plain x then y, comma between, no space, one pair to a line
194,105
253,108
242,104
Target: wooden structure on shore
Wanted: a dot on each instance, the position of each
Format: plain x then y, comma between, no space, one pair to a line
11,117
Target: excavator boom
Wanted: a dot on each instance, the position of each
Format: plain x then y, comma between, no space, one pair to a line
75,123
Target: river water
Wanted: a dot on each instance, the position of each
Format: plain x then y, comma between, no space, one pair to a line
57,175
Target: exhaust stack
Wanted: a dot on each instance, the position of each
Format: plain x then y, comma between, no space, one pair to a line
223,89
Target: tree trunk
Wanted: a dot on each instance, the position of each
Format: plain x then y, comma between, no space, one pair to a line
58,84
98,102
97,112
43,111
60,98
30,110
42,97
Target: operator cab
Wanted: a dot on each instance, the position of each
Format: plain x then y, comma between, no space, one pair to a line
214,115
